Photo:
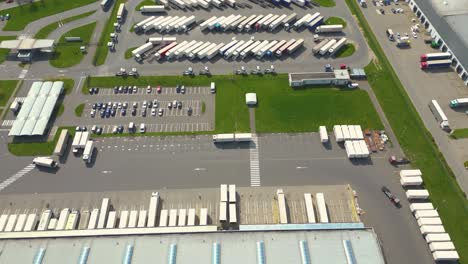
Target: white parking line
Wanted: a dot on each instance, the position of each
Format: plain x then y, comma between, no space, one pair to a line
15,177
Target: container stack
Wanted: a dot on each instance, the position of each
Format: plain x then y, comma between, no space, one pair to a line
353,139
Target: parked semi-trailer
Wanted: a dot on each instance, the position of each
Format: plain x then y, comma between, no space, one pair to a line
140,50
140,24
216,3
267,22
329,29
202,54
449,255
152,23
88,151
337,46
226,23
181,52
45,162
238,51
171,26
315,23
221,138
185,25
301,21
229,52
459,102
435,56
216,23
441,246
253,22
327,46
277,22
289,19
247,50
121,12
214,51
243,24
231,3
255,50
435,64
299,43
273,49
178,3
171,54
284,48
206,23
227,46
192,55
260,22
203,4
162,52
192,48
263,50
152,8
236,23
316,48
299,2
163,25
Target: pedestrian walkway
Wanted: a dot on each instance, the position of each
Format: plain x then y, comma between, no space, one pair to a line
23,73
7,123
254,163
15,177
19,99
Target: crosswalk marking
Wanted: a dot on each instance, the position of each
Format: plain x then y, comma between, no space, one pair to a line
22,74
254,163
7,123
15,177
19,99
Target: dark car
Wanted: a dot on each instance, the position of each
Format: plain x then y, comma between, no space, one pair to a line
398,161
125,89
113,112
96,90
189,111
391,196
120,129
134,111
116,90
103,114
91,90
130,91
94,106
177,89
124,112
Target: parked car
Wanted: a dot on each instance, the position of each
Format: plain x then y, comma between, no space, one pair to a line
116,90
148,89
391,196
158,89
93,113
398,161
134,112
155,103
143,112
169,105
153,112
178,89
123,112
189,111
182,89
179,104
135,89
160,111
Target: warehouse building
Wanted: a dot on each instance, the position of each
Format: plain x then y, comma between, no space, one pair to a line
37,109
25,48
337,77
445,21
323,246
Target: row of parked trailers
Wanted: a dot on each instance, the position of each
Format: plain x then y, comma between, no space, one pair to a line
183,4
165,24
347,132
311,217
228,204
329,46
428,219
236,49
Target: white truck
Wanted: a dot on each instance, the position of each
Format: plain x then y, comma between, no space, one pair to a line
227,46
277,22
154,23
192,48
202,54
411,181
410,173
324,49
259,47
181,52
329,29
246,52
459,102
265,48
337,46
162,25
441,246
231,50
207,22
178,3
170,54
88,151
273,49
185,24
299,23
291,49
141,50
45,162
223,138
242,25
152,9
253,22
76,141
237,52
215,51
241,137
192,55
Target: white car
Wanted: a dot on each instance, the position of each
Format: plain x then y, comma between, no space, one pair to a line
174,103
160,112
145,104
93,113
153,112
415,35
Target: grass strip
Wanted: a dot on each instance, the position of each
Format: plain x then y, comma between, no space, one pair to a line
68,84
347,50
7,87
143,3
22,15
335,21
79,110
45,31
325,3
4,52
459,133
68,54
128,53
416,141
38,148
102,49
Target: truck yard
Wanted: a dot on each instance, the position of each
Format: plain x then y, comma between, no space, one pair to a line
186,118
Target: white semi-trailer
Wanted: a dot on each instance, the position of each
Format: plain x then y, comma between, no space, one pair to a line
207,22
181,52
151,24
141,50
243,24
140,24
192,48
327,46
192,55
265,48
259,47
227,21
215,51
223,138
170,54
184,25
267,22
237,52
76,141
152,9
421,206
261,21
273,49
178,3
289,19
410,173
283,49
231,3
171,26
337,46
204,4
237,22
291,49
163,25
162,52
277,22
299,23
202,54
316,48
88,151
329,29
227,46
45,162
246,52
253,22
229,52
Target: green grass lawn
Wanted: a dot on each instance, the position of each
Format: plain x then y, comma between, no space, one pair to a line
325,3
4,52
346,51
38,148
68,84
459,133
203,107
335,21
416,141
68,54
280,107
61,109
102,49
143,3
79,110
45,31
25,14
128,53
6,90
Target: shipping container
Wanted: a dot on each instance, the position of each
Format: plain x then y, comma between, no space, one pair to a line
191,217
44,221
283,211
417,194
153,210
105,206
441,246
338,133
93,219
133,219
173,217
410,173
182,217
63,219
204,216
111,220
232,213
163,218
323,134
425,213
123,221
421,206
31,223
439,115
309,208
450,255
459,102
436,64
443,237
429,221
19,226
435,56
431,229
62,143
411,181
232,193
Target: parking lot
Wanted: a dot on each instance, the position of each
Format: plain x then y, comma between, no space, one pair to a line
171,109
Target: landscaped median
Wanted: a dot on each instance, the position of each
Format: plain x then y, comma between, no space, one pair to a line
280,108
416,141
79,110
459,133
37,148
45,31
24,14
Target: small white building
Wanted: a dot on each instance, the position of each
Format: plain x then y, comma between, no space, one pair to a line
251,99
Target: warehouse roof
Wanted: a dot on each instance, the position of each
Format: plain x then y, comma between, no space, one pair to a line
330,246
37,109
27,44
